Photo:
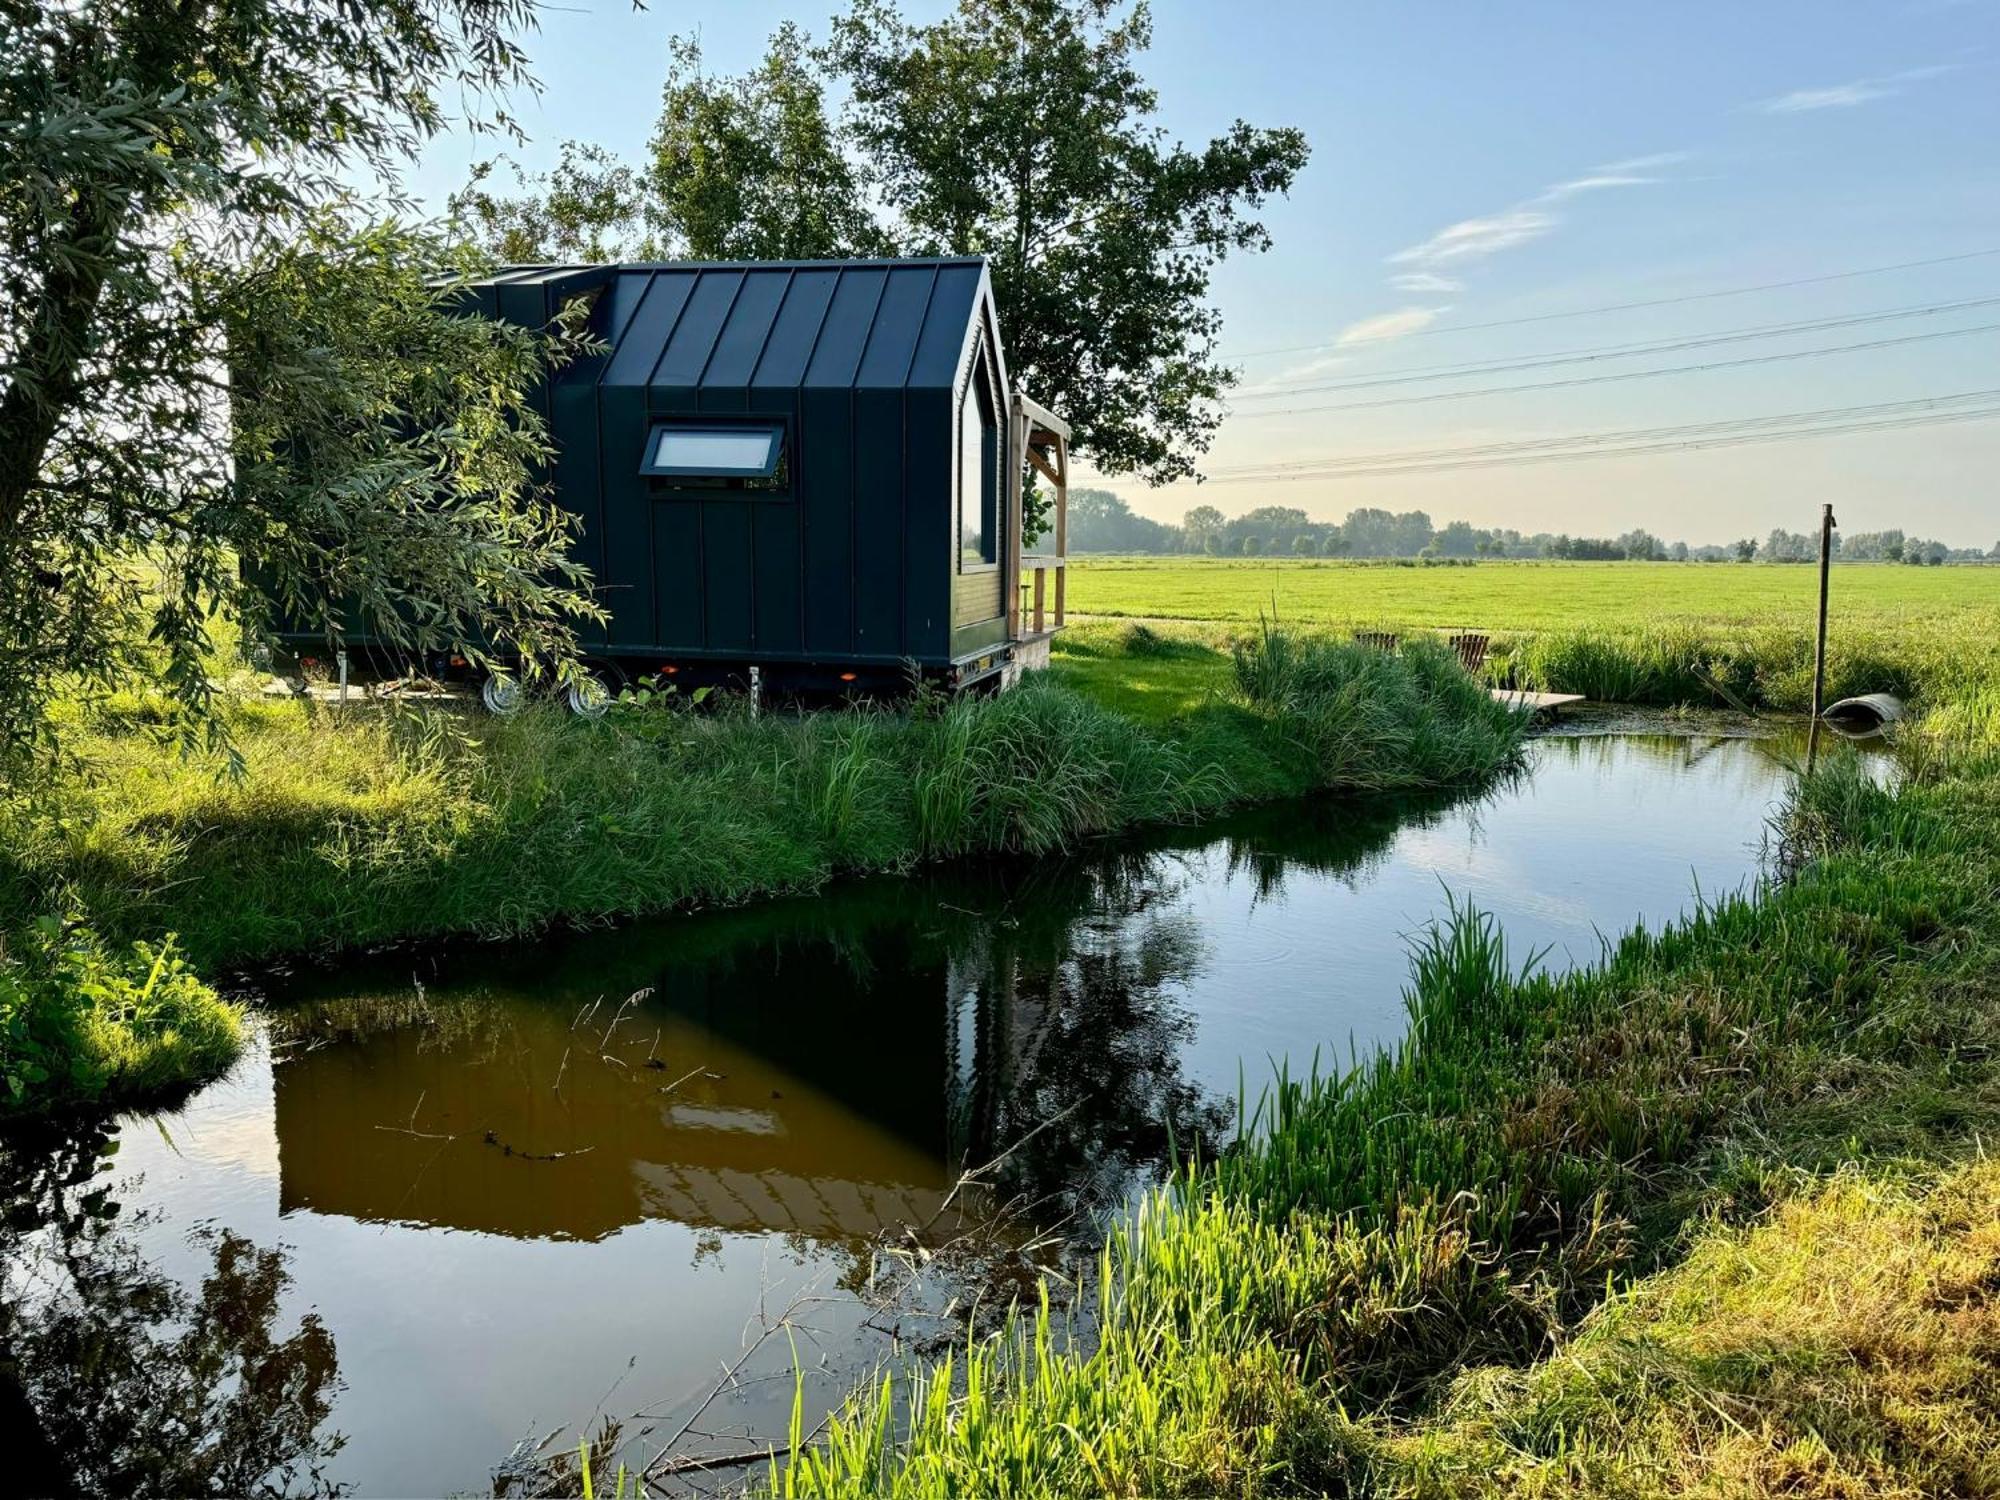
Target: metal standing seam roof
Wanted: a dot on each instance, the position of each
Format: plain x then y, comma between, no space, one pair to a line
698,326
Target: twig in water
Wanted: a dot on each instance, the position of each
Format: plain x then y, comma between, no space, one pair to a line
968,1178
630,1000
694,1463
492,1139
411,1128
668,1088
728,1380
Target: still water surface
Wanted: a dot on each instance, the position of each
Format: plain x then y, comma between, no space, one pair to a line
518,1197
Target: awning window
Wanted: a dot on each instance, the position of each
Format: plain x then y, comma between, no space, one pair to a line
677,450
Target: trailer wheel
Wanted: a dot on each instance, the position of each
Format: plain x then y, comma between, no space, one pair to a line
503,696
591,695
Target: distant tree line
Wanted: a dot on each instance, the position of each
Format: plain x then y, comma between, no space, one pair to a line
1101,521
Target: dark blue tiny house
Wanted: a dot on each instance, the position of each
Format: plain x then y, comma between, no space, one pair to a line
813,469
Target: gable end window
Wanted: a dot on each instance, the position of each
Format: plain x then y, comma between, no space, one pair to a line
978,470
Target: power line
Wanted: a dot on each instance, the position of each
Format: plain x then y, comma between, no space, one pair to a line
1611,307
1685,445
1821,422
1615,375
1278,391
1712,424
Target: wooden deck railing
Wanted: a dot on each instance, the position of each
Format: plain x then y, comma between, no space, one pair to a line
1035,591
1042,440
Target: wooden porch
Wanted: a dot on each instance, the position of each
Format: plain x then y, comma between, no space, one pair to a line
1037,605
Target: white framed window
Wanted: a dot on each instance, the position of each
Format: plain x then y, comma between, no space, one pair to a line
695,450
979,518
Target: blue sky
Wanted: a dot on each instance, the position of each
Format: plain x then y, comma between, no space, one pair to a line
1480,163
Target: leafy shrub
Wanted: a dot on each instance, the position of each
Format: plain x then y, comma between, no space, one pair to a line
82,1022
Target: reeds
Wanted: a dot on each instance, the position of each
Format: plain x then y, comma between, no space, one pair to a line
1466,1197
1378,720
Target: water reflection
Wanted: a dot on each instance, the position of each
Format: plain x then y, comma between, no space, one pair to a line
118,1379
819,1068
504,1173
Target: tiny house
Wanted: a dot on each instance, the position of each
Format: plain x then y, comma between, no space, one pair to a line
813,470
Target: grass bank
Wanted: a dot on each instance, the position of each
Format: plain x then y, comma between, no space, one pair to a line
1407,1277
1950,670
1668,663
359,826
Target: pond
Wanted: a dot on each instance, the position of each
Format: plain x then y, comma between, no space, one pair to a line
524,1188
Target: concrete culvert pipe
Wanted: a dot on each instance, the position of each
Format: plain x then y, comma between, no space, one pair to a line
1865,715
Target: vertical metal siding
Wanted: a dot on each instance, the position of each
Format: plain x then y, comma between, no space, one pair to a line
783,621
858,559
881,517
830,454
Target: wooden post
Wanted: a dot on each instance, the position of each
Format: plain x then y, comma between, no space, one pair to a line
1826,525
1012,584
1062,523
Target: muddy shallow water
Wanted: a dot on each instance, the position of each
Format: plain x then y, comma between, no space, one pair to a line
526,1187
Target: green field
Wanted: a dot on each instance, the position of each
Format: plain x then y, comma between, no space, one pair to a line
1521,596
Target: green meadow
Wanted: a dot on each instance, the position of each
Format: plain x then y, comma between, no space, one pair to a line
1524,596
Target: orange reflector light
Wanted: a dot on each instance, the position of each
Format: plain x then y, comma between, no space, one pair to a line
847,677
458,661
667,669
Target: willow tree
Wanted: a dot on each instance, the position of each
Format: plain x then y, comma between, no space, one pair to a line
176,240
1023,130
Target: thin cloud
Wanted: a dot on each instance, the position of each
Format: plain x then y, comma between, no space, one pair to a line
1282,378
1597,182
1645,163
1847,95
1389,325
1474,239
1840,96
1424,281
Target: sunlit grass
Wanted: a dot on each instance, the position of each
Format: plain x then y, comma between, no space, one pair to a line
1301,1314
1530,596
84,1023
356,826
1848,1345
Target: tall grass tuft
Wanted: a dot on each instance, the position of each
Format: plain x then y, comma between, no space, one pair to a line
1677,662
1378,720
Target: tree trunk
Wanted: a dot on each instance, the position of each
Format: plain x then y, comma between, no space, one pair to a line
48,384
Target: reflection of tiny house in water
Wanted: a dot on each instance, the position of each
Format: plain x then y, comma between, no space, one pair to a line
813,468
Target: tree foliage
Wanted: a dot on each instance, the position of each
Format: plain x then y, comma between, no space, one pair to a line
753,168
175,239
1101,521
1022,130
